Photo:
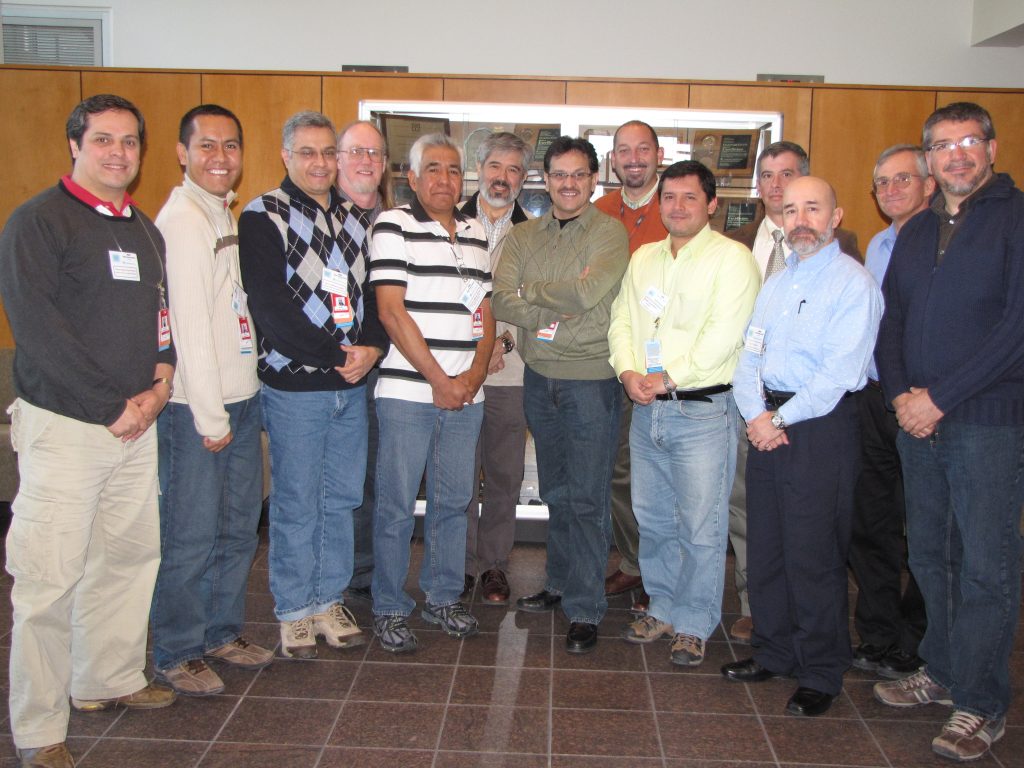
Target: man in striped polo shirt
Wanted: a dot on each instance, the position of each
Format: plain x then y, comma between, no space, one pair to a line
431,271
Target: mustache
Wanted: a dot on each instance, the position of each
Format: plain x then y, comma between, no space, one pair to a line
804,231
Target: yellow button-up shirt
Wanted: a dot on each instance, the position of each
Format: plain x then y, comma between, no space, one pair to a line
710,287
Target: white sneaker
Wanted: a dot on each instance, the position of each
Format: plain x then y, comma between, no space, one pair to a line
297,638
338,626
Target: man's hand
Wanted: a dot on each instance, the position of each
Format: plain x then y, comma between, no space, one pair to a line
637,387
151,402
917,415
473,381
763,435
358,362
216,446
131,424
496,363
451,394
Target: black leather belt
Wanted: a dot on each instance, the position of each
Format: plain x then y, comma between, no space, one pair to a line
699,395
776,398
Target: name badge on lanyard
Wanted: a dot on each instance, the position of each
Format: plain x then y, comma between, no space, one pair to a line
124,265
244,336
652,355
478,324
755,340
341,310
547,334
472,296
163,329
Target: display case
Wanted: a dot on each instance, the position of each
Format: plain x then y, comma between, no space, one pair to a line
728,142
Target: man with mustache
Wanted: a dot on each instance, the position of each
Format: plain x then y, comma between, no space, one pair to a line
951,357
636,156
502,161
806,351
778,164
558,276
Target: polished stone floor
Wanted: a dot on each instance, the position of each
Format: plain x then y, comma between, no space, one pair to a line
511,697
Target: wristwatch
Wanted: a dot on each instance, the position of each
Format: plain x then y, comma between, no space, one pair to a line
508,344
670,386
777,421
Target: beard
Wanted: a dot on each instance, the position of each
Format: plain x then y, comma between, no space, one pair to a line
810,240
493,200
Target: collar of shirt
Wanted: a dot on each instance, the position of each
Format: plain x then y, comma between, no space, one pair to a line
813,264
215,201
494,230
105,207
635,204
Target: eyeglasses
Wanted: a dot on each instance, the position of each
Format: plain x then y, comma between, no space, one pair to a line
358,153
948,146
899,181
561,176
330,154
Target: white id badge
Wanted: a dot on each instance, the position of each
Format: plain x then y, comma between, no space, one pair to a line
654,301
238,300
473,295
334,281
124,265
652,355
755,340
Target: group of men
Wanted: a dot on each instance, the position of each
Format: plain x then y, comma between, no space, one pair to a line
701,387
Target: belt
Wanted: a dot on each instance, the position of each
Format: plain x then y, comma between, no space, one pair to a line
699,395
874,384
776,398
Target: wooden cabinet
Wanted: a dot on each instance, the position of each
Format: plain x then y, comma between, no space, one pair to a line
505,90
849,128
163,98
343,94
263,103
793,102
605,94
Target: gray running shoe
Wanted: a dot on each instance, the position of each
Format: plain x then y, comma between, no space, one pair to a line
393,634
454,619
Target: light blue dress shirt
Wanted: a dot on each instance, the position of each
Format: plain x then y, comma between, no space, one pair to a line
876,262
820,316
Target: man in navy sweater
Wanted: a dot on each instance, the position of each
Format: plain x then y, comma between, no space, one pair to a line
951,358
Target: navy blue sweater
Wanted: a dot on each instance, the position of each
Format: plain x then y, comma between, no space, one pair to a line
957,327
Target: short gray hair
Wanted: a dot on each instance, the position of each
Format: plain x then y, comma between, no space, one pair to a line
959,112
503,141
430,140
898,149
305,119
777,148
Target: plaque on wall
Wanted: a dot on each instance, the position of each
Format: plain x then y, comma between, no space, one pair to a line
401,132
545,138
726,153
738,214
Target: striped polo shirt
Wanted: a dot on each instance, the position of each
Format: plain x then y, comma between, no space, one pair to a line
410,249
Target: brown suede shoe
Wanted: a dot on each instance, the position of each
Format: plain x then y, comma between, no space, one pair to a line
494,587
741,629
151,697
620,582
52,756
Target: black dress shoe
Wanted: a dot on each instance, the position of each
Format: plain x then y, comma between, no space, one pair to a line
747,671
807,702
897,663
867,656
541,602
467,588
581,638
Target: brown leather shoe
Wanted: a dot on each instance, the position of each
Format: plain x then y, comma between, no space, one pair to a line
151,697
620,582
494,587
741,629
642,603
52,756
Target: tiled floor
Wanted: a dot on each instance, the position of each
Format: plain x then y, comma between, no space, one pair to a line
512,697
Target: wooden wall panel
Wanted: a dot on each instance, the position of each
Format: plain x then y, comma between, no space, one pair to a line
661,95
262,103
514,91
35,152
343,94
163,99
849,129
793,103
1007,110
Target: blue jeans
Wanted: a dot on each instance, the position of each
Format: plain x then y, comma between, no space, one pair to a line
415,437
209,515
317,465
683,456
963,493
575,425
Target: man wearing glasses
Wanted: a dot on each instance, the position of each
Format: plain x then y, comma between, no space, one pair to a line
951,357
889,619
364,183
558,276
304,267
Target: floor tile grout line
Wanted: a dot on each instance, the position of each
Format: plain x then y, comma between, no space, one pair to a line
234,709
867,727
343,702
753,704
654,706
447,703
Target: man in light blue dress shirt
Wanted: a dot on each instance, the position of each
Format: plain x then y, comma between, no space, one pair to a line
807,347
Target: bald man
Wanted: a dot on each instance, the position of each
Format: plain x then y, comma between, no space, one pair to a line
806,350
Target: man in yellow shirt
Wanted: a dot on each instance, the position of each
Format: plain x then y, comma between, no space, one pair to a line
676,332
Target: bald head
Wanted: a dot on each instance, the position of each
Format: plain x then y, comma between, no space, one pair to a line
809,215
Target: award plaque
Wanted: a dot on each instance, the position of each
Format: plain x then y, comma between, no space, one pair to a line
401,131
726,153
